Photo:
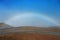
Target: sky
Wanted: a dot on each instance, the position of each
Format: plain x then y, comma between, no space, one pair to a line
51,8
31,19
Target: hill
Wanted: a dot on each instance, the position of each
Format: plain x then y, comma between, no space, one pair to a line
3,25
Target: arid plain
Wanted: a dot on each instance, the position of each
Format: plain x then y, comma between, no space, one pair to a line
29,33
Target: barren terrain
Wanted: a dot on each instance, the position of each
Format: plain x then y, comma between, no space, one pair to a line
29,33
29,36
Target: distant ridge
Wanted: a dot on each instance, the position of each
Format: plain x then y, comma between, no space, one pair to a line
30,28
5,28
3,25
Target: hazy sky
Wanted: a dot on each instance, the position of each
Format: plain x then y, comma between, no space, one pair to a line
50,8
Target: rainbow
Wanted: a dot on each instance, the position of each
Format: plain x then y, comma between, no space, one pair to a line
29,14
